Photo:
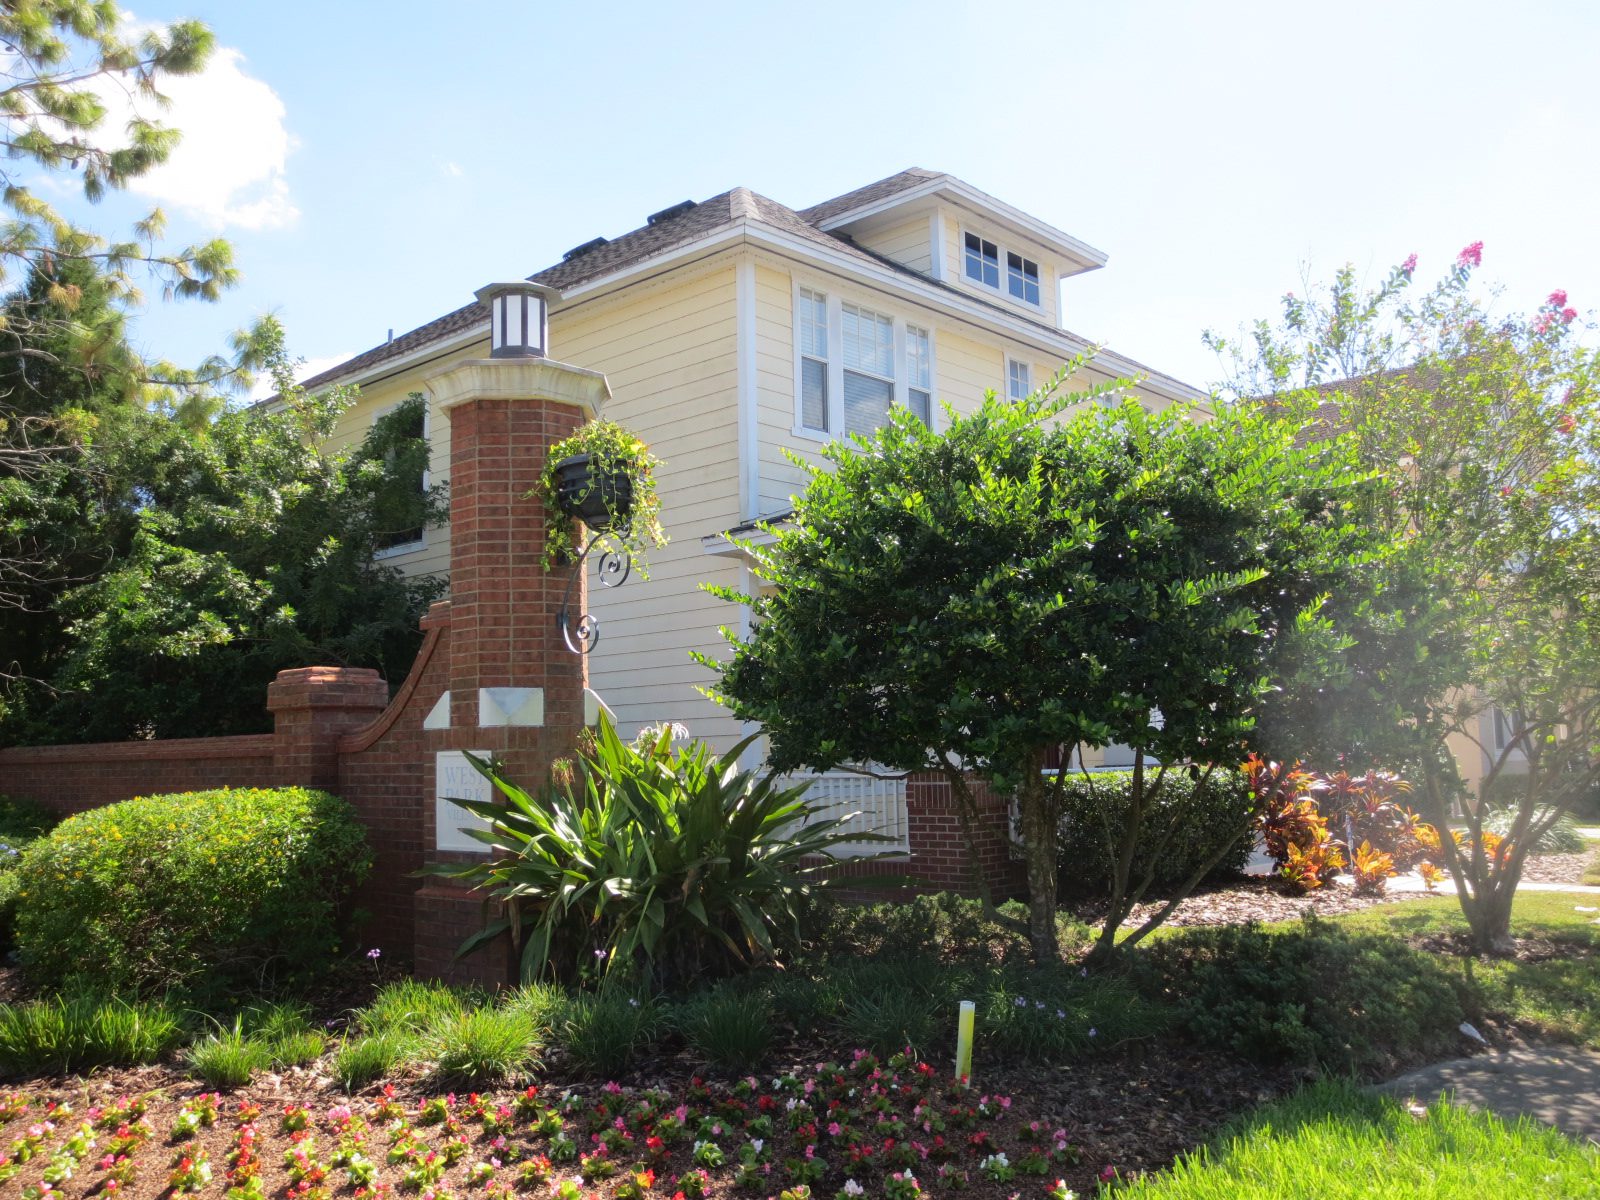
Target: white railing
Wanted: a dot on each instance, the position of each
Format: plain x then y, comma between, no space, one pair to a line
871,806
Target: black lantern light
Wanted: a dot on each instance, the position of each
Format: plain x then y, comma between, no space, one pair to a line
519,318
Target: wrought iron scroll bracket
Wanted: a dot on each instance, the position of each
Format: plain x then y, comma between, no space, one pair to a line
581,633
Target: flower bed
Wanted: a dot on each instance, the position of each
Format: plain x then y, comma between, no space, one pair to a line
895,1129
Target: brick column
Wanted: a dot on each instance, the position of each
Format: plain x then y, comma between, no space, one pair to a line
515,691
312,707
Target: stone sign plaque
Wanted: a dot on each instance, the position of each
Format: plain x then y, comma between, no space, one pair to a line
453,776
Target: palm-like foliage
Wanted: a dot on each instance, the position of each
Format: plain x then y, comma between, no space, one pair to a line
667,858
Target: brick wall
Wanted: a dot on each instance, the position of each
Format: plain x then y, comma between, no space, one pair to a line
939,858
69,779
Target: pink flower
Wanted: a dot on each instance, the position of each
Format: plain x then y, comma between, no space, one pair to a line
1410,264
1108,1173
1557,298
834,1129
1470,256
1569,315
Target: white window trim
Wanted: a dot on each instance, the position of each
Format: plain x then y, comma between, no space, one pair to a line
1027,367
427,435
835,303
1001,289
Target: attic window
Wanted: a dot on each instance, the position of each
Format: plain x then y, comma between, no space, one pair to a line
982,259
1022,278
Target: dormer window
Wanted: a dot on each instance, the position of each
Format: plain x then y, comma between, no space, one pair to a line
982,266
1022,278
983,261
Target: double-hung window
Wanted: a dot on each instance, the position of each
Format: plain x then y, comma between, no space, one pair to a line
852,363
919,373
1019,379
868,368
813,311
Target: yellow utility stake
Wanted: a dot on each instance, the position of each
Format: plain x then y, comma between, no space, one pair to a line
964,1041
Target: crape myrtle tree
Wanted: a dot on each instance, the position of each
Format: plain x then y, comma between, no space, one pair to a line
1033,580
1485,428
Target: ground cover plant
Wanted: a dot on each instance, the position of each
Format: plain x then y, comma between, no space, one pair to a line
1337,1142
206,893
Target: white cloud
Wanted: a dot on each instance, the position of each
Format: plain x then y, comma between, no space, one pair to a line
452,169
229,168
312,366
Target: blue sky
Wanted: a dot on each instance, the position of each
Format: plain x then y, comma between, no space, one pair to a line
373,163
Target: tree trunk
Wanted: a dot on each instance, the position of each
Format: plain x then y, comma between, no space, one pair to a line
1039,853
1489,917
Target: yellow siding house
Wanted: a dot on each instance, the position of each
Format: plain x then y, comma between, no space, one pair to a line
734,329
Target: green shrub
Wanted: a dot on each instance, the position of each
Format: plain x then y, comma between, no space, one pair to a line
652,856
1205,816
605,1030
481,1046
74,1033
366,1059
228,1057
1311,995
1561,838
888,1021
21,824
943,926
203,892
1057,1015
727,1028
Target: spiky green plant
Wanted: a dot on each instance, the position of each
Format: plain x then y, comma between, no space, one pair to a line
651,854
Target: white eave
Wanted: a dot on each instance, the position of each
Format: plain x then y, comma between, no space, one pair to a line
753,231
948,187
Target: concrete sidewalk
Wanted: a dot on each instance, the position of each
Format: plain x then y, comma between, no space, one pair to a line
1560,1088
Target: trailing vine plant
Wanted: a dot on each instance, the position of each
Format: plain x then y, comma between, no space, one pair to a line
612,450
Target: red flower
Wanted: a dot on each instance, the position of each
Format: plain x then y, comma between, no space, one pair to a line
1470,256
1108,1172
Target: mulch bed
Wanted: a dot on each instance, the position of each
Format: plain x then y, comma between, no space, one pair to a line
1557,868
1250,898
1132,1112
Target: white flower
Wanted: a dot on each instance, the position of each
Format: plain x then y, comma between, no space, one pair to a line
852,1188
756,1144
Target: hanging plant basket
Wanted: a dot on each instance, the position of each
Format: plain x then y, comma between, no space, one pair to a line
604,476
599,496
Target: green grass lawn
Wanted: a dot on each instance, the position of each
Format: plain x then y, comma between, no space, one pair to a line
1557,998
1335,1142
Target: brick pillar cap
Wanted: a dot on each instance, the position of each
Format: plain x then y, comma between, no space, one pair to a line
327,687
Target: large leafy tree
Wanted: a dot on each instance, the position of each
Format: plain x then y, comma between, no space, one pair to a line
1031,581
1486,426
69,378
251,548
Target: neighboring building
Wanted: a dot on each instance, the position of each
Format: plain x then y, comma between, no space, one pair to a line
736,329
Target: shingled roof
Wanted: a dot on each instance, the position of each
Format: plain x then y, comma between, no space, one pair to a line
675,228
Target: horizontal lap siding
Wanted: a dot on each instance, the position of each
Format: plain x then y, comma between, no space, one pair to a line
908,243
669,354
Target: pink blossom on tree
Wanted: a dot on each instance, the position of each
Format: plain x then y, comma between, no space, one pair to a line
1470,256
1557,298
